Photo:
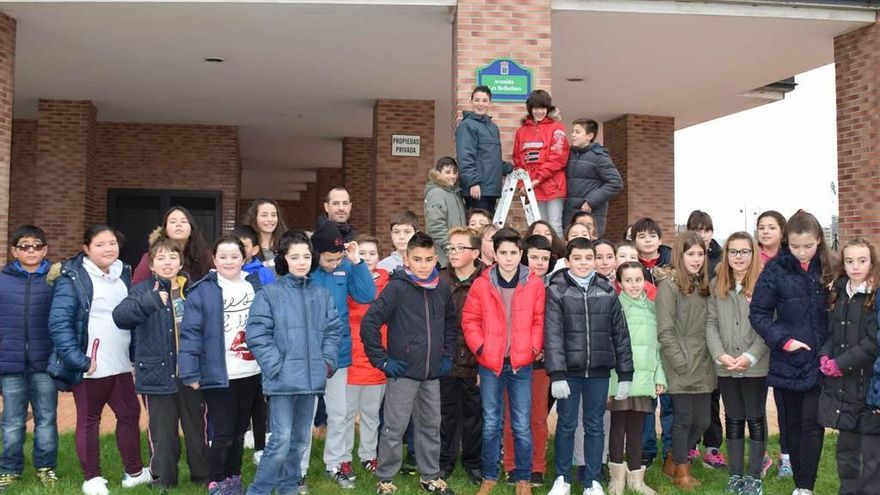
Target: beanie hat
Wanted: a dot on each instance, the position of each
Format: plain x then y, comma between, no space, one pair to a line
327,239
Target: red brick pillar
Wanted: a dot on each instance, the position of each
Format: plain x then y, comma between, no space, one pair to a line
642,147
303,213
63,179
400,180
485,31
357,173
7,86
857,64
327,179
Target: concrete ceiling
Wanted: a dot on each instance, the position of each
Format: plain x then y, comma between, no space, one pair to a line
298,77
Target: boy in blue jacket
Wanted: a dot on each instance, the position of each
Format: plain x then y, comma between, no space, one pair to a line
340,270
25,299
252,263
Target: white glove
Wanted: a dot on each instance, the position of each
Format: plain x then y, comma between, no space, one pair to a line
622,390
560,390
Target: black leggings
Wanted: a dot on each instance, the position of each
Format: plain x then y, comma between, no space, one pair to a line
805,434
691,419
626,426
745,402
229,410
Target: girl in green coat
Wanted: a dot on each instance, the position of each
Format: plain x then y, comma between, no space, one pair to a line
649,381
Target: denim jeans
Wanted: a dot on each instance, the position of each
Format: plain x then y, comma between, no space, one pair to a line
519,392
291,419
551,212
649,431
593,394
38,389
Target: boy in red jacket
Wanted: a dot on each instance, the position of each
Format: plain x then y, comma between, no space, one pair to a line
503,324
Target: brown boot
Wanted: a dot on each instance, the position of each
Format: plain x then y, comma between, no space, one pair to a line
523,488
669,466
683,478
486,487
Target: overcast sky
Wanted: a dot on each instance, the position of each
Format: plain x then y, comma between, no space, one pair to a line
780,156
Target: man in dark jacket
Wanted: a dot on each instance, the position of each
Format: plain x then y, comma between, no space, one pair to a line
590,175
25,299
585,336
418,309
478,150
337,210
462,415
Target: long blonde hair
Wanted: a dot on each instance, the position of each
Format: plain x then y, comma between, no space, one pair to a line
687,283
725,280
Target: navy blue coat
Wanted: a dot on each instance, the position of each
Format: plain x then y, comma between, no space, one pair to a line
69,321
152,324
789,303
873,398
293,331
25,299
202,355
478,151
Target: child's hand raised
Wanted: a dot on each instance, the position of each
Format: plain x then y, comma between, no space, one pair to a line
352,253
162,294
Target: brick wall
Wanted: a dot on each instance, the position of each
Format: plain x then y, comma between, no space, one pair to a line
24,163
857,66
167,156
357,172
642,147
488,29
7,87
302,214
399,181
327,179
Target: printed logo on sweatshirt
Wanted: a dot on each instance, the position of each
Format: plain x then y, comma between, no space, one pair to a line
558,143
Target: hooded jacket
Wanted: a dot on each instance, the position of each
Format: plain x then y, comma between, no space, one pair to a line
478,152
25,299
484,323
681,331
152,325
421,327
464,363
591,177
728,331
585,331
361,371
790,303
541,148
201,357
293,331
664,260
444,209
852,343
346,280
69,319
713,257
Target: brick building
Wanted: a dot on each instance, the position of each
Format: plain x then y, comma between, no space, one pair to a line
114,111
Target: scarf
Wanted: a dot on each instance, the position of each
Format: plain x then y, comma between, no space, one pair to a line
428,283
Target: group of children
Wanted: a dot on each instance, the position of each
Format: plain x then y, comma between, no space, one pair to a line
491,325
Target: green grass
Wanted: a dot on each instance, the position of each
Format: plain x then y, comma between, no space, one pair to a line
70,476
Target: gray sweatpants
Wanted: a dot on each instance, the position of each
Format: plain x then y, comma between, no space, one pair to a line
364,402
421,400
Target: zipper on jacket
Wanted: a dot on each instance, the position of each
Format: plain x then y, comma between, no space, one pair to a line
308,341
428,321
27,321
587,320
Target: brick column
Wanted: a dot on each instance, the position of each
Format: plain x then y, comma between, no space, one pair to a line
857,66
327,179
7,86
63,179
357,173
302,214
642,147
399,181
485,31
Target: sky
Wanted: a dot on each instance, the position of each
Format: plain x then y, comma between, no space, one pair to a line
780,156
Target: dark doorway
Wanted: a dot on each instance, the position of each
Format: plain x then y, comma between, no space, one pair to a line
136,212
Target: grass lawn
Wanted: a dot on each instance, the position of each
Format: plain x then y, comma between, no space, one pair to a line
71,478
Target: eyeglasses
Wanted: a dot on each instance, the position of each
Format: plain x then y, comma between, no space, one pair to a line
459,249
733,253
30,247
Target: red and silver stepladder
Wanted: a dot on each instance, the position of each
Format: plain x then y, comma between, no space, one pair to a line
509,190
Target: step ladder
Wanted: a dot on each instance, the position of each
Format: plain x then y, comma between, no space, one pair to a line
508,190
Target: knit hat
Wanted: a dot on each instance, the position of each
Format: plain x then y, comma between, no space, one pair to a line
327,239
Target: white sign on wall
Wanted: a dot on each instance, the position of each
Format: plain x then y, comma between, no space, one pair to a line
402,145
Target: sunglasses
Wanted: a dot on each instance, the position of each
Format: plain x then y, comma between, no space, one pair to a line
30,247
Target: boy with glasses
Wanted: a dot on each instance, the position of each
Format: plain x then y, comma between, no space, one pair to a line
25,299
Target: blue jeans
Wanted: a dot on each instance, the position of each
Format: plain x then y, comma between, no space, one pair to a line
593,393
649,431
291,419
38,389
519,393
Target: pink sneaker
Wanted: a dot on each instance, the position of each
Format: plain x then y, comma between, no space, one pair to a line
693,455
714,459
767,464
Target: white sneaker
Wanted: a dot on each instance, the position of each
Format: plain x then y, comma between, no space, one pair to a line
249,439
257,456
95,486
144,477
596,489
560,487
